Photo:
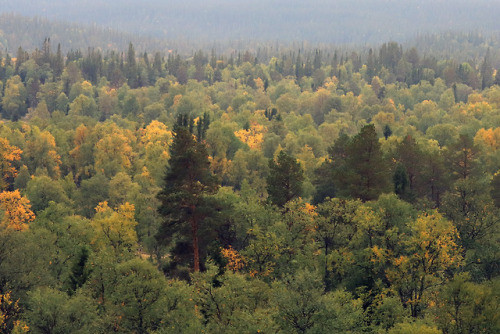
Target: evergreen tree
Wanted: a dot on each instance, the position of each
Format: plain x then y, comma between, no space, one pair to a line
188,181
362,172
58,63
370,65
284,182
317,59
79,271
131,68
400,180
487,71
387,131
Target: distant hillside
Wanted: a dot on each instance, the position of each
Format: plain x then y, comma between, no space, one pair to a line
30,32
16,30
319,21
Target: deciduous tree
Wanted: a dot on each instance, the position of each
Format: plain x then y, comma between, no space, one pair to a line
8,155
15,209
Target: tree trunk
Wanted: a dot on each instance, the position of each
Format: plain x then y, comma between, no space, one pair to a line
196,250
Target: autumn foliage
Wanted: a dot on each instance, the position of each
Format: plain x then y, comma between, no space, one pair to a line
15,209
8,155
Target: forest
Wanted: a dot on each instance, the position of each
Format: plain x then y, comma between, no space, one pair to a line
319,21
301,190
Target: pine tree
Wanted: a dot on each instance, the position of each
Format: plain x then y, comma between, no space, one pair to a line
361,171
188,181
284,182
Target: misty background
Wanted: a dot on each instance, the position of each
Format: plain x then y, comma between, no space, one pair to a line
320,21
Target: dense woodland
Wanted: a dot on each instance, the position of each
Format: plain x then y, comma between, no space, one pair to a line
317,191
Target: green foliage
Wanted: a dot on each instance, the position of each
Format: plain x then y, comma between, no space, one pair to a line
417,327
465,307
79,272
284,182
14,97
233,303
361,171
53,311
299,300
41,190
139,297
121,202
495,189
183,198
304,308
91,193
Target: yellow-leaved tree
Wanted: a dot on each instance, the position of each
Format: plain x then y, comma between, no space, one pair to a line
114,153
253,136
8,154
40,152
9,312
431,250
155,140
15,211
115,228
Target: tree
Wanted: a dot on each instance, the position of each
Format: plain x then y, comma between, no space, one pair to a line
300,303
131,67
360,170
464,307
84,106
82,155
495,189
487,71
41,190
334,226
431,252
115,229
14,99
470,207
113,153
140,297
462,158
387,131
284,182
53,311
40,153
183,198
15,211
91,192
8,154
9,312
400,180
304,307
410,160
234,304
326,175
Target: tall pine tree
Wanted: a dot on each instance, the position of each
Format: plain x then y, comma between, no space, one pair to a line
183,198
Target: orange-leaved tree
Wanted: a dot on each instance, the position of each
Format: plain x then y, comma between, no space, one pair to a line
8,154
16,211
